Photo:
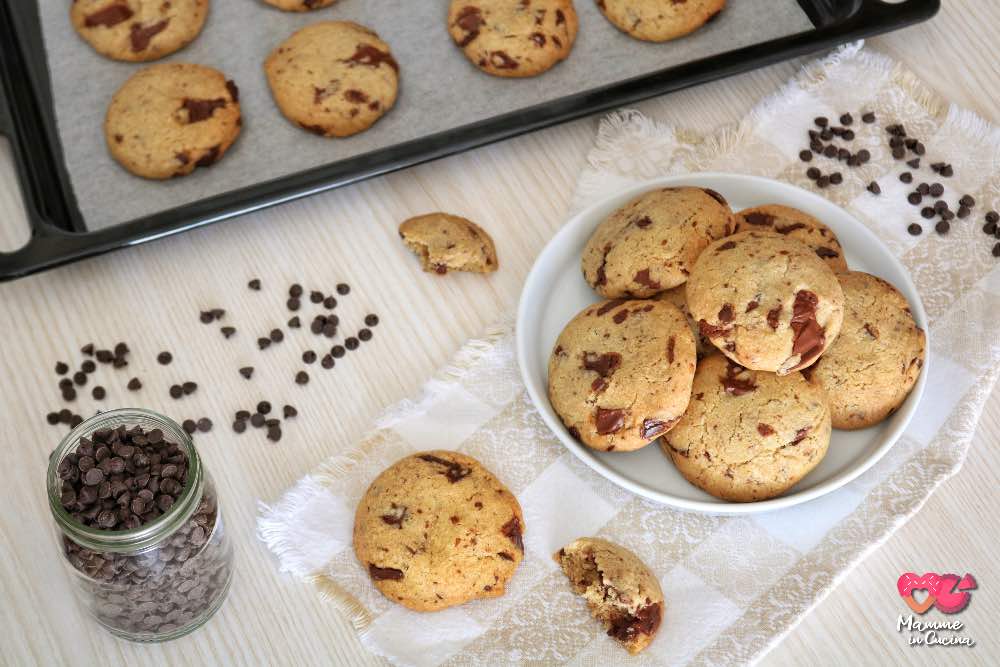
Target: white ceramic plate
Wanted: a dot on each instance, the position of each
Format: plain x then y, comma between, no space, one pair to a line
555,291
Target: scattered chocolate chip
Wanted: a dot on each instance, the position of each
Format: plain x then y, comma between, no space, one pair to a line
365,335
206,317
189,426
868,117
293,304
134,384
993,217
830,151
915,229
295,290
98,393
80,378
928,212
967,200
343,289
263,343
806,155
940,205
254,284
52,418
228,332
821,121
62,368
846,119
316,296
836,178
274,433
88,349
276,336
295,323
351,343
302,377
899,152
371,320
924,189
189,387
246,372
914,198
204,424
330,303
936,190
813,173
327,362
338,351
906,177
823,181
164,358
996,250
176,391
942,227
289,411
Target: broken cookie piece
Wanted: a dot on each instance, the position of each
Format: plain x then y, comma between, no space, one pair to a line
447,242
619,589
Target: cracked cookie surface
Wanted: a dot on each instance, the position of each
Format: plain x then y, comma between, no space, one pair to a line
619,589
620,373
651,244
766,301
795,224
660,20
137,31
170,118
437,529
446,242
333,78
749,435
872,366
513,38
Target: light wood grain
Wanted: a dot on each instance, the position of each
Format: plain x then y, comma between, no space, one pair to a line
519,191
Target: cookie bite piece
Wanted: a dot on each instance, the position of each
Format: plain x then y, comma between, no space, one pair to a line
749,435
437,529
795,224
620,373
651,244
873,365
766,301
660,20
168,119
138,30
333,78
619,589
446,242
512,38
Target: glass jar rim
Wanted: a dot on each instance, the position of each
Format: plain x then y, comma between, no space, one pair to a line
148,534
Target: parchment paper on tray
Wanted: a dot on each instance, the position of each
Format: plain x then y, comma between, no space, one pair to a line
440,89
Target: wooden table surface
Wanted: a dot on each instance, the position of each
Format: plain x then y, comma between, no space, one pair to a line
519,190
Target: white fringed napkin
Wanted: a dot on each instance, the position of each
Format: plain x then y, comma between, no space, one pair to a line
734,585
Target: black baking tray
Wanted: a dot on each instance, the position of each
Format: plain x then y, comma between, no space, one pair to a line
59,234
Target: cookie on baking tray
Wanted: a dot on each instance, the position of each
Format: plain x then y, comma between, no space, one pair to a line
620,373
333,78
650,244
619,589
660,20
795,224
445,242
513,38
767,301
749,435
870,369
170,118
437,529
138,30
299,5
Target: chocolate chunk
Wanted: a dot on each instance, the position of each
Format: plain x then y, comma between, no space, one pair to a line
501,60
200,110
608,421
366,54
246,372
914,229
642,277
726,313
733,384
906,177
602,364
164,358
134,384
711,331
812,173
728,245
800,435
140,36
453,471
470,20
512,531
809,336
874,188
396,517
765,429
826,253
384,573
626,628
254,284
110,16
652,428
289,411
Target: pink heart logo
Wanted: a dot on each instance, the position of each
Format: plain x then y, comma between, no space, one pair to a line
909,582
948,592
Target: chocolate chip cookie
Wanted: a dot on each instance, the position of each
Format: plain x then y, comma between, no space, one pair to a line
333,78
446,242
138,30
749,435
870,369
513,38
660,20
767,301
168,119
798,225
678,297
650,244
299,5
619,589
620,373
437,529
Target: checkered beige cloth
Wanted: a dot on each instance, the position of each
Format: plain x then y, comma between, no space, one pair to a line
734,585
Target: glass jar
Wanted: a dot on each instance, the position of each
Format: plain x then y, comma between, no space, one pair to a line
164,578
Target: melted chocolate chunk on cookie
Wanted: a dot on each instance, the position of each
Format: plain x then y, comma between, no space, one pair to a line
512,531
773,315
234,91
110,16
788,229
199,110
712,331
643,222
642,277
800,435
716,196
652,428
470,20
140,37
609,306
209,158
645,621
366,54
602,277
501,60
453,471
608,421
809,335
733,384
751,305
759,219
728,245
765,429
726,314
504,555
538,38
396,517
355,96
384,573
826,253
603,364
671,342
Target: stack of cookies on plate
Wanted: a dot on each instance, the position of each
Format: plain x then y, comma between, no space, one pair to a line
736,339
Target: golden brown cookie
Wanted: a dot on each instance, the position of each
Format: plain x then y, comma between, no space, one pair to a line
445,242
513,38
299,5
678,297
660,20
138,30
749,435
870,369
437,529
619,589
795,224
333,78
169,118
620,374
650,244
767,301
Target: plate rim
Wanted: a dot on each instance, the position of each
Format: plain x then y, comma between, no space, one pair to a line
583,453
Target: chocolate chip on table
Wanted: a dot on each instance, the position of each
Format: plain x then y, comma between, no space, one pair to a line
309,357
294,323
914,198
293,304
295,291
264,407
806,155
936,190
164,358
65,383
823,181
316,296
919,148
276,336
75,421
98,393
868,117
254,284
964,211
898,152
330,329
993,217
924,189
330,302
206,317
204,424
69,394
87,349
371,320
844,154
302,377
289,411
80,378
914,163
967,201
52,418
62,368
88,366
846,119
246,372
242,415
343,289
239,425
928,212
906,177
821,121
351,343
915,229
813,173
176,391
942,227
189,426
847,135
257,419
365,335
134,385
189,387
263,343
996,250
228,332
327,362
947,214
104,356
940,205
830,151
836,178
274,433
